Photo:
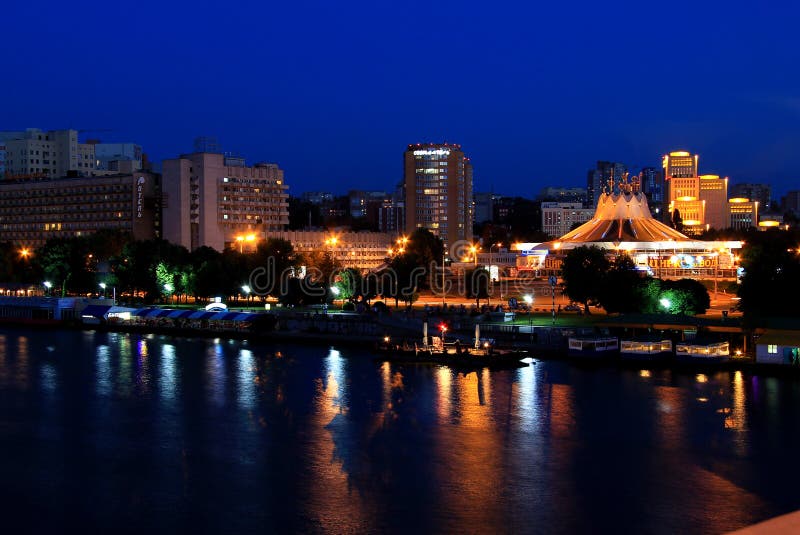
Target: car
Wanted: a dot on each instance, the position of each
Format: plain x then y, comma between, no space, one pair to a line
572,307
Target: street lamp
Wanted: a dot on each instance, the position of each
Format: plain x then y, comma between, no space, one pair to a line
48,285
103,287
246,290
24,253
474,250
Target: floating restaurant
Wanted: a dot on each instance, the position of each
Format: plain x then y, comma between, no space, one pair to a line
623,224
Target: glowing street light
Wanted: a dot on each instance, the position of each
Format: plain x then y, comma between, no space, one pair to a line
25,253
474,250
103,287
249,238
666,303
47,285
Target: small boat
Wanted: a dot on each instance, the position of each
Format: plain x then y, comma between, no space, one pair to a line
434,350
465,359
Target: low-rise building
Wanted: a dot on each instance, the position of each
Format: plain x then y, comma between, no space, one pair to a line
360,250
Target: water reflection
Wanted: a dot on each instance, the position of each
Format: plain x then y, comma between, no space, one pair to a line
167,384
103,371
246,384
328,441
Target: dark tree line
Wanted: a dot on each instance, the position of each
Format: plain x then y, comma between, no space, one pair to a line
591,278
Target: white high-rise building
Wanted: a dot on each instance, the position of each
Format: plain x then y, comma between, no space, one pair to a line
54,153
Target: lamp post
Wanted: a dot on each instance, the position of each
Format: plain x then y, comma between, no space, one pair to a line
474,250
528,298
47,285
444,289
103,287
491,280
246,291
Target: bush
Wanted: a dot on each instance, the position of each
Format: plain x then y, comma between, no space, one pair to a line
348,307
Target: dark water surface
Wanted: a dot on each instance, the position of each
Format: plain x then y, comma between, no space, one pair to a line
118,432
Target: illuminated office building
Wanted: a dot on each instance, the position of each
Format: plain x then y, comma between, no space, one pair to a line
438,186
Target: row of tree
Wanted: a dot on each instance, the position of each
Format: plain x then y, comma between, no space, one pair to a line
591,278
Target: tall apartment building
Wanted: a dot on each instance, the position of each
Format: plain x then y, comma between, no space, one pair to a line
714,194
438,183
54,153
558,218
755,192
652,184
210,200
33,211
606,177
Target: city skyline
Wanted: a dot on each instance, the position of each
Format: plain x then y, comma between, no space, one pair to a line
302,85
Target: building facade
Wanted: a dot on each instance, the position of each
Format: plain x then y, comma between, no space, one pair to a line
360,250
755,192
35,210
438,184
714,194
558,218
210,202
742,213
54,153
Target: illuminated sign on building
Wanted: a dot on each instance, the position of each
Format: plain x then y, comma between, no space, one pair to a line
432,152
139,197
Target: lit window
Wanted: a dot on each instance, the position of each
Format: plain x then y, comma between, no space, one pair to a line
772,348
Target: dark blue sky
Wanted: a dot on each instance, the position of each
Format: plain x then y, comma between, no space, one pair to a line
535,92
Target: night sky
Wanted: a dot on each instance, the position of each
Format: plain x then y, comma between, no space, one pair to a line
333,92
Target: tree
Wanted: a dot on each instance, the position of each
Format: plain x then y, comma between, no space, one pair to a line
584,270
771,264
349,284
620,291
477,284
65,263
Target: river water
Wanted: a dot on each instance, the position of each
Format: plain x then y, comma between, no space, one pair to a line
105,431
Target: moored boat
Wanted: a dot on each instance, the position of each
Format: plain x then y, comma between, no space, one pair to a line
647,349
593,346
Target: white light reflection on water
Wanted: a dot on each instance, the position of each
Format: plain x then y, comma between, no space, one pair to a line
246,385
334,383
215,370
527,407
166,380
48,378
103,371
443,386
